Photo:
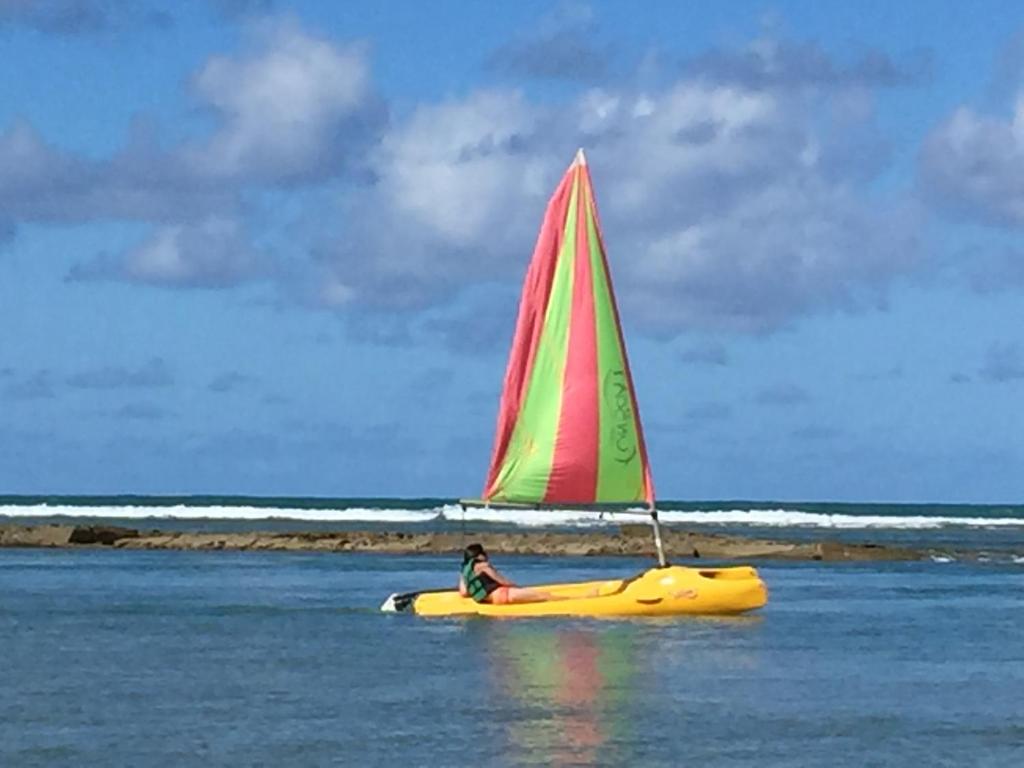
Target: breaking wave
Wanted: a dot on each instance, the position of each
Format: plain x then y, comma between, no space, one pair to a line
187,512
757,518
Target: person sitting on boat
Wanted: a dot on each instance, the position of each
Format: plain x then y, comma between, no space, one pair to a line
481,581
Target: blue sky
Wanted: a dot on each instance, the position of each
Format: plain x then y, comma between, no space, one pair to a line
276,247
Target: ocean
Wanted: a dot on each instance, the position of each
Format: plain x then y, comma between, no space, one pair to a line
155,658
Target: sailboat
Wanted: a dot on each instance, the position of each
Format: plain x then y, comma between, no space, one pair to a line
569,433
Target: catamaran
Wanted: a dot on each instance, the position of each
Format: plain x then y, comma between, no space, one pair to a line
569,432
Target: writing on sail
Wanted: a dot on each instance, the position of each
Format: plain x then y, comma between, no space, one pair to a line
620,406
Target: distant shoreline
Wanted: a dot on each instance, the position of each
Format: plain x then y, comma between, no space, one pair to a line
624,540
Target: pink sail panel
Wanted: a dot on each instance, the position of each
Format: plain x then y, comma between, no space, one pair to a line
575,462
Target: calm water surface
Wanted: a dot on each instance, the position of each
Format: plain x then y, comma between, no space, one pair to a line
113,658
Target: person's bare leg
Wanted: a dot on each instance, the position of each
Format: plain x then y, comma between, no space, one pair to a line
524,595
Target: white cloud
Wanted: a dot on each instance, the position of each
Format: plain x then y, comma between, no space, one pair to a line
772,63
80,17
458,186
41,183
723,206
153,374
283,108
293,108
214,253
973,164
728,202
454,165
705,353
29,166
1003,362
562,45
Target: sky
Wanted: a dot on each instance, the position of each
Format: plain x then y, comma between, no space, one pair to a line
275,248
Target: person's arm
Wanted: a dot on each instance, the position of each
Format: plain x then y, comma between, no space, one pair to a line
462,586
493,572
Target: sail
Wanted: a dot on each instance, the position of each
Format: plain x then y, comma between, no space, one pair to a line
568,426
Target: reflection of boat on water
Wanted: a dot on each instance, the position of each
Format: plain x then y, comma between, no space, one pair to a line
569,431
577,683
587,693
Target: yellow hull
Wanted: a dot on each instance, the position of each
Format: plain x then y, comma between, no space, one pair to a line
670,591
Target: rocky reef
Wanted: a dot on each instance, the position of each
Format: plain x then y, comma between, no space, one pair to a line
626,540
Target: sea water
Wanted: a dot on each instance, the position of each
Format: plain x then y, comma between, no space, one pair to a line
117,658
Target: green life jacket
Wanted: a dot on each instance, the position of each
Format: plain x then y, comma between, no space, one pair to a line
478,586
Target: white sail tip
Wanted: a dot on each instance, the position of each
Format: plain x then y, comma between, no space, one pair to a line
581,159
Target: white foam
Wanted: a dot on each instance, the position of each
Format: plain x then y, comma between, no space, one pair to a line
535,517
785,518
770,518
185,512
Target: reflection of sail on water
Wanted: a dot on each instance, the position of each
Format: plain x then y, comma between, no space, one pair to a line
569,430
576,685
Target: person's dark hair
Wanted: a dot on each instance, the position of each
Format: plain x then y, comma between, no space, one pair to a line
472,552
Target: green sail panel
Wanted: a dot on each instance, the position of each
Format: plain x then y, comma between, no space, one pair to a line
621,464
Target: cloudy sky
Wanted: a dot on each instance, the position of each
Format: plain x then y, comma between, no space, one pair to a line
276,247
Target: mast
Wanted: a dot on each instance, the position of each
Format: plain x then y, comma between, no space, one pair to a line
662,562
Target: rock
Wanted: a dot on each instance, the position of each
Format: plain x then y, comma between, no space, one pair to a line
101,534
35,535
635,530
